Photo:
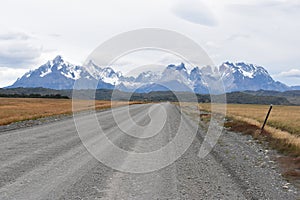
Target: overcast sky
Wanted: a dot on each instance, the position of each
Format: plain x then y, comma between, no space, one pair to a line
263,32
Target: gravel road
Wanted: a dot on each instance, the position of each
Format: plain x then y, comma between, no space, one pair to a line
49,161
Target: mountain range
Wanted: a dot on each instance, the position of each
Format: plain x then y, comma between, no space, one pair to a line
59,74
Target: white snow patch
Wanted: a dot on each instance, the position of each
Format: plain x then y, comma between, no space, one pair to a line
147,75
48,71
111,80
77,74
72,74
246,74
59,67
131,84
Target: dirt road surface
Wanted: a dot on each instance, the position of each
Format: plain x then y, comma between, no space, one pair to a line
49,161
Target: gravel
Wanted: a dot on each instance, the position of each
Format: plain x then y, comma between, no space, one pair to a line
47,160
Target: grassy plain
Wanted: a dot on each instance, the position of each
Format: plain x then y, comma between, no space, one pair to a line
282,130
286,118
19,109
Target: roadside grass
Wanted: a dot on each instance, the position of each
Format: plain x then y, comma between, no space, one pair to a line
285,143
282,141
281,133
249,119
285,118
20,109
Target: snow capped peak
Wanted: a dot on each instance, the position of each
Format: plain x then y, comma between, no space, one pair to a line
245,69
196,70
91,63
106,74
261,70
95,69
195,74
148,76
227,63
58,59
177,67
58,66
107,71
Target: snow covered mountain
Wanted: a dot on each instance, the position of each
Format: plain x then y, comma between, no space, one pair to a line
174,78
58,74
242,76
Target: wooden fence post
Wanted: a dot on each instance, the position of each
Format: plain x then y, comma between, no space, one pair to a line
262,128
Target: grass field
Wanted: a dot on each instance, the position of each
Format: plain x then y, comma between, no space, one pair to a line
282,130
19,109
286,118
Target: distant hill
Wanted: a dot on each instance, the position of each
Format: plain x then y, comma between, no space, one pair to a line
39,90
295,87
293,96
247,97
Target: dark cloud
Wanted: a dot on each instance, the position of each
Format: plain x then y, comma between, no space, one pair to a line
18,54
18,49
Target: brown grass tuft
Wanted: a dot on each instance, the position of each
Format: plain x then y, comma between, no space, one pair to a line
291,168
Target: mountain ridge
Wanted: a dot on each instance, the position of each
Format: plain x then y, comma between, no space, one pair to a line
240,76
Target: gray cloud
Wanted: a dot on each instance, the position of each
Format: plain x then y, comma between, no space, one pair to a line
195,12
290,77
293,73
14,36
18,54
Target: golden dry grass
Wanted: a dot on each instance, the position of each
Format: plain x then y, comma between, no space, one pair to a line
286,118
285,140
19,109
283,125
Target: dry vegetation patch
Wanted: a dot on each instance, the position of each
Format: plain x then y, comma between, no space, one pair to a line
286,118
282,131
283,128
292,166
19,109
